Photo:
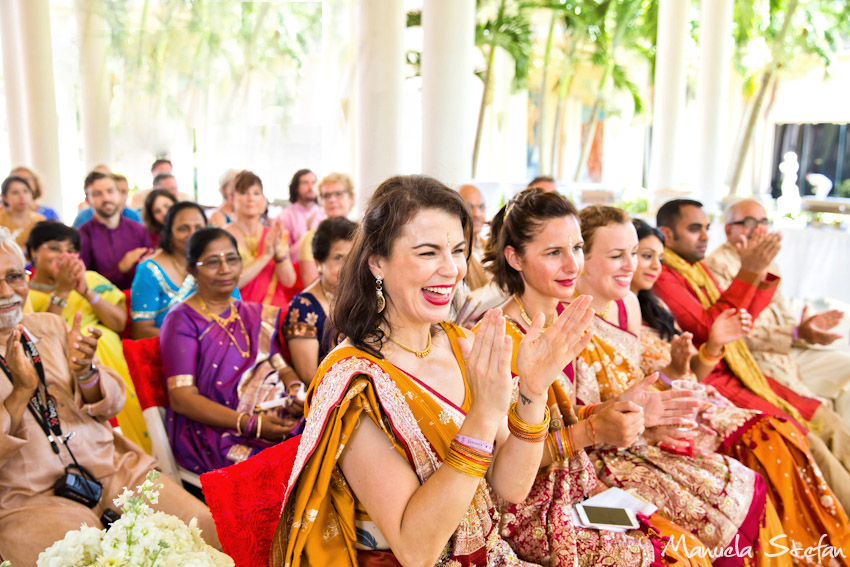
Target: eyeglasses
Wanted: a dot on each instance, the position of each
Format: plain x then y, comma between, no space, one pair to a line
214,263
334,195
751,222
15,279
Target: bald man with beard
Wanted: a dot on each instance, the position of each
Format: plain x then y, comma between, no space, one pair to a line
783,346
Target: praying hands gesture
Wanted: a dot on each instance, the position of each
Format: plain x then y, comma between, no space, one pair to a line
815,329
543,354
23,372
488,368
758,251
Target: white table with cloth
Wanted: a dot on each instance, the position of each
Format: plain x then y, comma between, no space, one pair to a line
815,263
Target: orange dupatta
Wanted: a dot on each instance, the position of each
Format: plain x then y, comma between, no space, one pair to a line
317,525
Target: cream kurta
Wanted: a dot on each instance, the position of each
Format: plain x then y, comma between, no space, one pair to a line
809,372
31,517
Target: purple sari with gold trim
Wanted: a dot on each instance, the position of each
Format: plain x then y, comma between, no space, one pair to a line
198,352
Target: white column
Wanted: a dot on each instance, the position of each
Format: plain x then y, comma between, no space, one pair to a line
94,83
380,80
448,111
16,99
715,49
37,109
669,96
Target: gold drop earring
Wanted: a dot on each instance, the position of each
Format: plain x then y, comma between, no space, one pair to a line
379,292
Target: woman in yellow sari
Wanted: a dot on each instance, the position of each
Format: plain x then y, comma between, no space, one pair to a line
535,256
708,492
407,393
62,285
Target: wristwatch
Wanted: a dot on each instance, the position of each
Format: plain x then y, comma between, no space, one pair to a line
60,301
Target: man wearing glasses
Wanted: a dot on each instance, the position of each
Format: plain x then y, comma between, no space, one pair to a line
782,345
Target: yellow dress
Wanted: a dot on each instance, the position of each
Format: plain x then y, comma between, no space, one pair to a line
109,349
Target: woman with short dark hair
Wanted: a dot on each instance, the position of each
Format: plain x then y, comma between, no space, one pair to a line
222,361
267,265
304,326
162,281
17,213
154,210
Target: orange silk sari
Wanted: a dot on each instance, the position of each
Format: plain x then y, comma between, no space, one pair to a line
319,522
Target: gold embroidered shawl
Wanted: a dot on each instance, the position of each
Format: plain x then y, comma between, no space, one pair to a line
737,356
317,525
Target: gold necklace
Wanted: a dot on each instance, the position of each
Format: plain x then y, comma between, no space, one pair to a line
418,353
180,273
330,296
223,322
604,313
524,315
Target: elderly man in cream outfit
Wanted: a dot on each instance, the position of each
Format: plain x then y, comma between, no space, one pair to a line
791,352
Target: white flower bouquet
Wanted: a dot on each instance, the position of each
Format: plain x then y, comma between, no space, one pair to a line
140,538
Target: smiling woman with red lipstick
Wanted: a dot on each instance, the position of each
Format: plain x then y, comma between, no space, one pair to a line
536,253
407,432
220,356
666,470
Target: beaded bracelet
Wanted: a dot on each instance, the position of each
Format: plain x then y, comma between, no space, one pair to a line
528,432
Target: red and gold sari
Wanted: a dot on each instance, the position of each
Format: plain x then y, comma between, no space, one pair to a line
542,529
776,449
322,522
714,496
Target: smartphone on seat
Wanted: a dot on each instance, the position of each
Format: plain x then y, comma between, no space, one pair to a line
607,518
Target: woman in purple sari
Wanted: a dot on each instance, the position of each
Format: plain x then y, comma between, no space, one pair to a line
223,365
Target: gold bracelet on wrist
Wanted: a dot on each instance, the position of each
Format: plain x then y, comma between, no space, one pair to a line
528,432
467,460
239,423
706,358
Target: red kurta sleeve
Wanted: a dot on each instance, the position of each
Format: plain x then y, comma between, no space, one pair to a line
674,290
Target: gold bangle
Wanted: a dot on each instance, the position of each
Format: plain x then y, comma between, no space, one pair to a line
706,358
462,462
259,425
528,432
239,423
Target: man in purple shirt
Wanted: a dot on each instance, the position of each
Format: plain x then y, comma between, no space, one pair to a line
111,244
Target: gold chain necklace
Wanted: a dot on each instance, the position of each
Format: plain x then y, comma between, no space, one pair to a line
524,315
330,296
180,273
223,322
604,313
418,353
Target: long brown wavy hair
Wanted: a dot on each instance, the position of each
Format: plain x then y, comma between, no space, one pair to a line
394,203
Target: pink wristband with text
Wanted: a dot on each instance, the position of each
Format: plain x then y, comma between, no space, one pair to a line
474,443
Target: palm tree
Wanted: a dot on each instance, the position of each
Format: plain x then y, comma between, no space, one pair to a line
791,28
624,25
510,30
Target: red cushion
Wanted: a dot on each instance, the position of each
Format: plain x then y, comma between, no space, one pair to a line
145,365
245,501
